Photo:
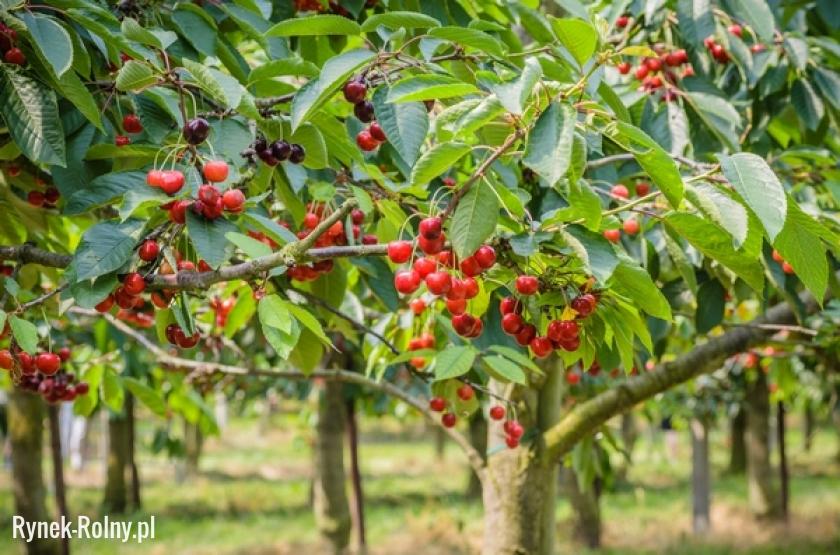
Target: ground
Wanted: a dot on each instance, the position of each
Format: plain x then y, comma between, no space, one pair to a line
252,498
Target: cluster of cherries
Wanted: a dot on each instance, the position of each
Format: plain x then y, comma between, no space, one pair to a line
276,152
355,92
631,226
513,429
46,199
656,73
11,53
131,124
786,267
221,309
176,336
42,374
210,202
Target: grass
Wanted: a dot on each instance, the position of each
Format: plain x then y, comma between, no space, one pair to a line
252,497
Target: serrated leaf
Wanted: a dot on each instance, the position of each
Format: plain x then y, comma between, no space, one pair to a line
808,104
113,394
148,396
633,281
725,211
315,25
757,14
471,38
31,115
549,148
309,321
104,189
405,124
25,334
474,219
105,247
428,87
274,312
208,83
453,362
696,20
505,370
578,36
283,343
437,160
396,19
208,238
514,94
753,179
52,40
600,257
134,76
516,357
800,245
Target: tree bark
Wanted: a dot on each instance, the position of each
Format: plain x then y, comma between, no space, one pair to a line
520,488
58,472
586,509
332,512
193,442
26,416
738,444
700,476
115,500
478,439
358,512
440,443
629,434
132,460
808,425
784,475
763,493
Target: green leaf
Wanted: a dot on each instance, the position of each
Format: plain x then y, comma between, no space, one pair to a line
274,312
800,245
134,76
829,84
719,115
549,148
309,321
105,247
579,37
52,40
471,38
514,94
283,343
715,243
104,189
696,20
279,68
154,38
753,179
25,334
808,104
88,294
405,124
757,14
474,219
72,88
437,160
600,258
315,25
31,115
728,213
113,394
505,370
710,306
516,357
396,19
454,362
311,139
335,72
208,238
428,87
633,281
248,245
208,83
654,160
148,396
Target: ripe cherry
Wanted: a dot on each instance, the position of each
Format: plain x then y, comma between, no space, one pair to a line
624,68
757,47
541,346
485,256
470,287
35,198
357,216
641,72
155,178
449,181
355,91
573,378
512,323
148,250
736,30
527,285
437,404
406,281
424,266
612,235
417,306
6,359
377,133
178,211
399,252
364,111
456,306
15,56
526,334
51,195
438,282
463,324
233,200
132,124
631,226
642,188
208,194
281,150
216,171
470,266
561,330
366,141
465,392
134,284
510,304
449,420
48,363
620,191
622,21
497,412
787,268
431,227
196,131
105,305
585,304
514,429
653,64
122,140
431,246
570,344
172,182
777,256
511,442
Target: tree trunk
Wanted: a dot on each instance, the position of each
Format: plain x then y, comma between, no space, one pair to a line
738,444
700,476
520,489
784,476
332,512
763,493
358,513
478,439
115,500
586,509
193,442
440,443
26,414
58,472
629,434
132,460
809,425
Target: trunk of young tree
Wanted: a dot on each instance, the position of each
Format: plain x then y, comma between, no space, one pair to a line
763,492
738,444
193,443
809,426
700,476
115,500
440,443
60,491
478,439
332,511
132,454
26,426
358,506
520,487
586,508
784,475
629,434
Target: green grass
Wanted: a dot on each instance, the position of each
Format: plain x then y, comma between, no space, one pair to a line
252,497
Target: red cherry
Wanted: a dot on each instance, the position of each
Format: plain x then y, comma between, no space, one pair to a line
511,442
463,324
757,47
497,412
148,250
653,64
449,420
51,195
514,429
622,21
48,363
620,191
736,30
377,133
431,246
688,72
476,329
458,290
512,323
417,306
624,68
105,305
417,362
527,285
178,211
437,404
449,182
122,140
431,227
134,284
787,268
485,256
465,392
456,306
573,378
631,226
233,200
132,124
208,194
541,346
584,305
172,182
35,198
641,72
424,266
399,251
526,334
509,304
709,42
612,235
406,281
155,178
470,287
561,330
642,188
719,53
27,362
357,216
571,344
365,141
438,282
470,266
15,56
777,256
370,239
355,91
6,359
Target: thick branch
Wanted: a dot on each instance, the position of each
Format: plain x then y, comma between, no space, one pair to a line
164,358
587,417
30,254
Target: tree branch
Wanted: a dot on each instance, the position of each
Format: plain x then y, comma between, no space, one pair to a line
588,416
30,254
174,362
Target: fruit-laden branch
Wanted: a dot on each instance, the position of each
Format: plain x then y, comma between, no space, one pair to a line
588,416
203,367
